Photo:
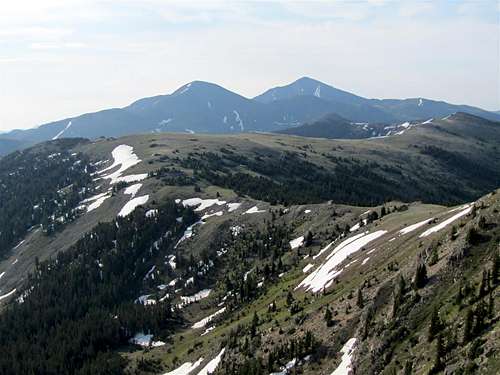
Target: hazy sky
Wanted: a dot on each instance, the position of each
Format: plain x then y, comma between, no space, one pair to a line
60,58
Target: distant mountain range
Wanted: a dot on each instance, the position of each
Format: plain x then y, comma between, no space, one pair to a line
209,108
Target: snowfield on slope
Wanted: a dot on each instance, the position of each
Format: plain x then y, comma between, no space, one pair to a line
445,223
132,190
132,204
202,323
202,203
324,275
298,242
212,365
347,352
186,368
187,300
413,227
123,156
253,210
68,125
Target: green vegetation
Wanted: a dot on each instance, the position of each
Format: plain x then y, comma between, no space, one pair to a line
41,186
83,300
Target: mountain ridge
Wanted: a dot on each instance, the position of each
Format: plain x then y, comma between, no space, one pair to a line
205,107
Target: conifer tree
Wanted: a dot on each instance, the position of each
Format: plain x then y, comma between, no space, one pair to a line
359,299
255,323
495,269
420,276
438,358
483,287
309,239
435,324
491,306
468,326
328,317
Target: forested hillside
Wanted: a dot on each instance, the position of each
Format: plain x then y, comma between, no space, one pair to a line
83,300
41,186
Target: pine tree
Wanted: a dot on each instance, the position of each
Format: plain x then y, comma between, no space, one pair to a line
309,239
359,299
491,306
438,359
496,268
483,287
328,317
459,297
435,325
434,258
383,211
255,323
420,276
468,326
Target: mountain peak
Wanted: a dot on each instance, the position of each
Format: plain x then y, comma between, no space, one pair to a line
307,80
197,85
307,86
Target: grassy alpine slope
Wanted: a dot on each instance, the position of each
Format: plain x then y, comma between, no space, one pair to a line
264,226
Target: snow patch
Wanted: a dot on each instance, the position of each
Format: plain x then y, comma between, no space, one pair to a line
347,352
212,365
202,323
123,156
324,275
206,216
317,92
233,206
132,204
68,125
187,300
145,340
165,122
132,190
413,227
202,204
297,242
186,368
185,89
253,210
450,220
8,294
307,268
188,233
98,202
238,120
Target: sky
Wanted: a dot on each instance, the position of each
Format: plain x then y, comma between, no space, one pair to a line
62,58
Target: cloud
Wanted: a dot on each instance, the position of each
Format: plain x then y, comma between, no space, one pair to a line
411,9
52,46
